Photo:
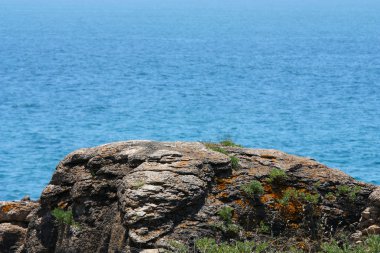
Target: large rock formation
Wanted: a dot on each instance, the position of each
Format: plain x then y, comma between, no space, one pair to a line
138,195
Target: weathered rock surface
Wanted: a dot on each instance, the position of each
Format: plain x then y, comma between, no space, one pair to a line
143,195
14,220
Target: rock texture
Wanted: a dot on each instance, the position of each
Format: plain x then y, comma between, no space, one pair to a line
141,196
14,220
370,217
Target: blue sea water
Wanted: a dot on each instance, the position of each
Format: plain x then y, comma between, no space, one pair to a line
300,76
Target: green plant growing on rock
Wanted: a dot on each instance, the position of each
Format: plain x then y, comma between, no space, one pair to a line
343,189
317,185
229,143
227,226
370,245
254,188
225,213
310,198
208,245
205,245
330,196
216,148
64,217
177,247
277,177
296,195
234,162
350,192
264,228
289,194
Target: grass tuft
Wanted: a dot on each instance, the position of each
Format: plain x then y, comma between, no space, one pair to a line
229,143
234,162
277,176
349,191
253,188
64,217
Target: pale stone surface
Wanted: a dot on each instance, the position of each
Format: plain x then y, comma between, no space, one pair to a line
375,197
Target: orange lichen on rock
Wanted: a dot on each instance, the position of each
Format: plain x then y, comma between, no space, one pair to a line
222,195
268,197
294,226
8,207
223,182
242,203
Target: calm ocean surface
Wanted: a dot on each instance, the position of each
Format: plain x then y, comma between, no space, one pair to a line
300,76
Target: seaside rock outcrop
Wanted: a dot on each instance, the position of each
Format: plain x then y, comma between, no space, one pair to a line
370,218
145,196
14,220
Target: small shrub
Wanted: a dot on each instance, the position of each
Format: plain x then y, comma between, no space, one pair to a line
230,143
310,198
208,245
343,189
295,195
245,247
178,247
277,176
253,188
349,191
330,196
64,217
227,228
317,185
370,245
205,245
289,194
264,228
234,162
225,213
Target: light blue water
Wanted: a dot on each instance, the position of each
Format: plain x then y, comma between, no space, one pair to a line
300,76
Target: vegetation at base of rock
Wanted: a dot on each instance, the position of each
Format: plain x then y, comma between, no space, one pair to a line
229,143
234,162
230,229
178,247
64,217
264,228
276,177
330,196
227,227
370,245
209,245
253,188
350,191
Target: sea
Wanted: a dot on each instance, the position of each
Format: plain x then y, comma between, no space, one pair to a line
294,75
